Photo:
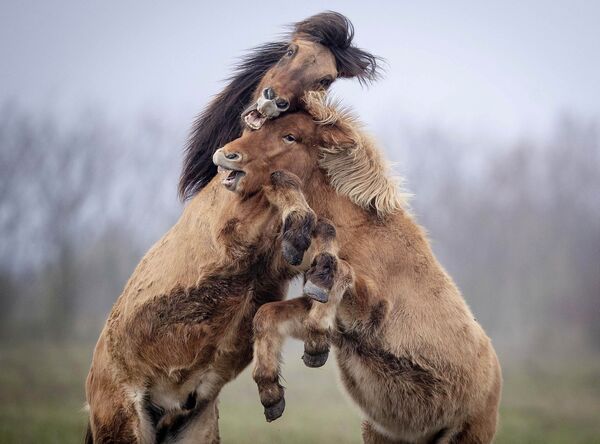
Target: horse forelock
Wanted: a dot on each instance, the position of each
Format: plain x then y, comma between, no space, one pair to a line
336,32
330,28
357,170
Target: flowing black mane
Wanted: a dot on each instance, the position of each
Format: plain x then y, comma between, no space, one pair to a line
220,122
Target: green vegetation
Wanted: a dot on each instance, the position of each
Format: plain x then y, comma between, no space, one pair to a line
41,400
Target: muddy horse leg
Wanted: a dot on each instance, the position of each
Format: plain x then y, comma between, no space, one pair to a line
272,323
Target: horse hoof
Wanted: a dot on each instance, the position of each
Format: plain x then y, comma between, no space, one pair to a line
291,254
275,411
315,292
316,360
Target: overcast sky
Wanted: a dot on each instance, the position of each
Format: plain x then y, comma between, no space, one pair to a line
505,67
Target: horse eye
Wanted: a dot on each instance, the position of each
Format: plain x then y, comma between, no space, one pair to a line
325,82
289,138
290,52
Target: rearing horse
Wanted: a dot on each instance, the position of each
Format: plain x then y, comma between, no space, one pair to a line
183,325
409,351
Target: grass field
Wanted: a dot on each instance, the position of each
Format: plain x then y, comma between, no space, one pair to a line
41,399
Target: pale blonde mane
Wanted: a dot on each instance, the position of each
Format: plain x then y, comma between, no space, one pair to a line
357,170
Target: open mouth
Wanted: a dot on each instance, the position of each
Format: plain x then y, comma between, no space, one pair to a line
254,119
231,177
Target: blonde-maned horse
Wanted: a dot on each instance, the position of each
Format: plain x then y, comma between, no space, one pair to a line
410,353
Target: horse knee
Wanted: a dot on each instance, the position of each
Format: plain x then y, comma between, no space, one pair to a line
263,321
477,431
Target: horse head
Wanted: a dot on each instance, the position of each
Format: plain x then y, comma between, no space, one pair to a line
271,80
320,51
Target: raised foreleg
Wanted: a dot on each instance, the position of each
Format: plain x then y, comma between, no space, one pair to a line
326,280
272,323
298,218
302,318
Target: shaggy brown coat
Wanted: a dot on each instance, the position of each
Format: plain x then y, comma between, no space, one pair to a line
409,350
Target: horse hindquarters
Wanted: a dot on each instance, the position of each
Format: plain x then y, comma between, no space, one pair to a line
410,401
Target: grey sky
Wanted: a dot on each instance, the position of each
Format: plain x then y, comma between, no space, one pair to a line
504,67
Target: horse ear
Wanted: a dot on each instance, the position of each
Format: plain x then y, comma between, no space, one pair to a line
338,136
336,125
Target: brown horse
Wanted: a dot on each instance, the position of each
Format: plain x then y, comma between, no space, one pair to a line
409,351
269,81
183,325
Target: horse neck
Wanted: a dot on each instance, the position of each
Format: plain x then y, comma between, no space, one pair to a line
354,220
208,207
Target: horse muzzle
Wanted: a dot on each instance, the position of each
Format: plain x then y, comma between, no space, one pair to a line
268,106
229,168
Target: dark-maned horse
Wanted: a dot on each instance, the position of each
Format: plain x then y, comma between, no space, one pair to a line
183,325
269,81
410,353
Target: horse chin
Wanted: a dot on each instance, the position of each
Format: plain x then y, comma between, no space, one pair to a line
231,178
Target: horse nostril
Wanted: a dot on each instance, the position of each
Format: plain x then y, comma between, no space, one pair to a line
282,104
268,93
232,156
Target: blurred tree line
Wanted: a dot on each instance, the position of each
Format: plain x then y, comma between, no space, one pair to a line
79,204
517,226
